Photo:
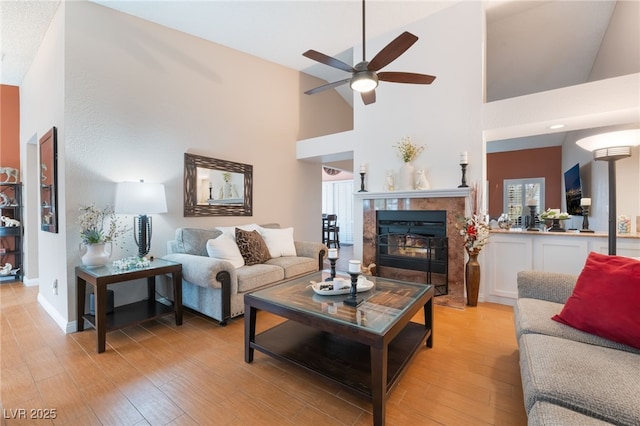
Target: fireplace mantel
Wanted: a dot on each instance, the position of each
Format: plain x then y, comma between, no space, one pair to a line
431,193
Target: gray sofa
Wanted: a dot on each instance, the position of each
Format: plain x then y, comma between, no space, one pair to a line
216,288
570,377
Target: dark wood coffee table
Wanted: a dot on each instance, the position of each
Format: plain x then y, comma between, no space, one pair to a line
364,349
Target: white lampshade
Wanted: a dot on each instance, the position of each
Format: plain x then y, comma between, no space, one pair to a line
613,144
140,198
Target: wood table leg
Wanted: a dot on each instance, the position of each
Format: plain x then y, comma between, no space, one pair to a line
428,321
177,296
81,288
249,332
151,290
100,303
379,358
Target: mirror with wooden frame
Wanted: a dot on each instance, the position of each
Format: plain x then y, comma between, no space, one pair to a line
215,187
49,181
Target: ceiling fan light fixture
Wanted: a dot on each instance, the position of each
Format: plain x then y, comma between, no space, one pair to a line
364,81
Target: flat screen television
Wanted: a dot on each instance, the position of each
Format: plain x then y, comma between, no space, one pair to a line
573,190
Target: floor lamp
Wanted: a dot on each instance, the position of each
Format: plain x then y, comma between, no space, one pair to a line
141,199
611,147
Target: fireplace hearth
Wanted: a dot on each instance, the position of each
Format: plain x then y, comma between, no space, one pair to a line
451,201
414,240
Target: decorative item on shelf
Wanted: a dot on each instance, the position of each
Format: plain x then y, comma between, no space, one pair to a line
532,204
12,173
354,271
142,199
388,181
464,162
555,216
6,269
8,221
363,172
505,222
585,203
332,256
94,237
624,224
475,232
408,151
421,180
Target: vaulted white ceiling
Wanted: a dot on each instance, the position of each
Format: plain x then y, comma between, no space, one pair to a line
532,46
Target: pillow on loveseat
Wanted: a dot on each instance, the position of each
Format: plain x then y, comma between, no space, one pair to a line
279,241
252,247
605,299
224,247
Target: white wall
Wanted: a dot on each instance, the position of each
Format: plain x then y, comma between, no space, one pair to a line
131,97
444,116
42,107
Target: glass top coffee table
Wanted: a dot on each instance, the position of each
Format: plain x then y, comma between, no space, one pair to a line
364,348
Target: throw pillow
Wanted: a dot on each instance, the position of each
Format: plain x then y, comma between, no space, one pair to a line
252,247
605,299
231,230
224,248
279,241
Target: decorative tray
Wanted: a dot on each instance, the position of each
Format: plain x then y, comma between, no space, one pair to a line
363,285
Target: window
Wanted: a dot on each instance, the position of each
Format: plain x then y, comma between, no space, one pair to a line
337,198
519,194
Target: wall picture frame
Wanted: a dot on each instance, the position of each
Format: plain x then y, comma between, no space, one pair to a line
49,181
214,187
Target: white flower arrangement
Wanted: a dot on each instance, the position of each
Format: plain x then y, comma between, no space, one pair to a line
92,225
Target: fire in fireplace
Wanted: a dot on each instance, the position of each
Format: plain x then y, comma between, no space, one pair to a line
413,240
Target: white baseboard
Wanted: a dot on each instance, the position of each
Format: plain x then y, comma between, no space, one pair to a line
32,282
66,326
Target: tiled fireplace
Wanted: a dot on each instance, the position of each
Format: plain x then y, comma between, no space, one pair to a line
452,202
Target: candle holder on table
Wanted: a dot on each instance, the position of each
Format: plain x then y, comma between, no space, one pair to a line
362,182
333,257
354,271
532,219
585,220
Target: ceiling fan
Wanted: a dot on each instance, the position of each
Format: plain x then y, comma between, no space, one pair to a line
365,75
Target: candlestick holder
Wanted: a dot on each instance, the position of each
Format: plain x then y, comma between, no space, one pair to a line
532,219
333,270
362,182
585,220
464,176
353,300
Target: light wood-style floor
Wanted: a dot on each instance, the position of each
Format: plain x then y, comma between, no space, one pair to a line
160,374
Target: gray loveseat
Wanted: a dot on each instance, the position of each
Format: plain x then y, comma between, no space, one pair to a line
570,377
216,288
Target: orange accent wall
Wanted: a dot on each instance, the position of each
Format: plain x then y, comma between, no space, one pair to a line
9,126
526,163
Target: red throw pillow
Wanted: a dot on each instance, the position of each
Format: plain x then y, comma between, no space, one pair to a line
606,299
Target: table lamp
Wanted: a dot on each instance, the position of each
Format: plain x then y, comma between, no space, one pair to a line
141,199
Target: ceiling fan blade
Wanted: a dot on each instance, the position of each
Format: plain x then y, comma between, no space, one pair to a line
406,77
326,86
368,97
392,50
328,60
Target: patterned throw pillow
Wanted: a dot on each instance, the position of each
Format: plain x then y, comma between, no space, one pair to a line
252,247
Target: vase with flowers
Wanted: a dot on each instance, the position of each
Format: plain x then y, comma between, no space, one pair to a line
99,229
407,151
475,233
